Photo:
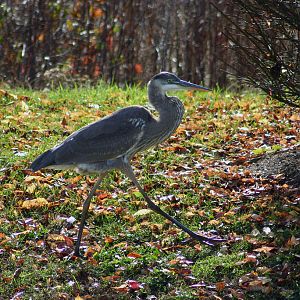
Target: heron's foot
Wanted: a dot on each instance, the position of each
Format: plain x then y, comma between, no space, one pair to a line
210,241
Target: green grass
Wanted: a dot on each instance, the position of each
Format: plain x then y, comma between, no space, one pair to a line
195,176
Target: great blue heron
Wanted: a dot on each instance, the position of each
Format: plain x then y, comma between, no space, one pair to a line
111,142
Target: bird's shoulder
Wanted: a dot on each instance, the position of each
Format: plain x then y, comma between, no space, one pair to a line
127,120
132,116
130,112
107,138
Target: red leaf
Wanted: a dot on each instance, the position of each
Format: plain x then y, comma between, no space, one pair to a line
134,285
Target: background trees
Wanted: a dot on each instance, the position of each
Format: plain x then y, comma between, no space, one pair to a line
44,41
265,35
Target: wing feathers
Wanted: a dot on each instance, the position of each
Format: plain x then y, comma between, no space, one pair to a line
105,139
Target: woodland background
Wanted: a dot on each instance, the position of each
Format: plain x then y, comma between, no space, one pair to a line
43,42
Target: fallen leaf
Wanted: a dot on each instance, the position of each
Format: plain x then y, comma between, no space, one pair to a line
143,212
31,178
64,122
134,255
34,203
295,117
53,237
292,242
264,249
108,239
123,288
220,286
247,259
31,188
133,285
198,247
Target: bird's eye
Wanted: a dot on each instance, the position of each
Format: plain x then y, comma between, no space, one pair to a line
170,81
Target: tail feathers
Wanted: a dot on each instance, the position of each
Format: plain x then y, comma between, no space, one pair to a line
44,160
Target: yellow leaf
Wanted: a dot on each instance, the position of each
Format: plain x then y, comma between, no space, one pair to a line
69,24
142,212
32,178
35,203
213,222
78,298
189,214
31,188
53,237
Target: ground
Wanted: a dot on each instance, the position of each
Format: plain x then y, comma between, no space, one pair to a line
205,175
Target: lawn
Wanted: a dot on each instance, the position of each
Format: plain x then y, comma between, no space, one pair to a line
200,176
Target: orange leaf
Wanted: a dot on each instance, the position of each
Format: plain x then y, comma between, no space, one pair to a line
220,286
2,236
295,117
138,68
173,261
108,239
134,255
68,241
102,196
41,37
97,12
198,247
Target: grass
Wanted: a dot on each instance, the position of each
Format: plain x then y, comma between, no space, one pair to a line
198,176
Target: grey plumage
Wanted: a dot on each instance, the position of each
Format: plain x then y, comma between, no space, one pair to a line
111,142
107,139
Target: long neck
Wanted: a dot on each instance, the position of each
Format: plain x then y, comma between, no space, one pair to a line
170,111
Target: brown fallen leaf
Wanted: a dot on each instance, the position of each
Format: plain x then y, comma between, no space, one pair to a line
248,259
108,239
31,178
34,203
53,237
220,286
134,255
64,122
123,288
264,249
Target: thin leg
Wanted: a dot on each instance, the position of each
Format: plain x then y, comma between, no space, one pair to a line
205,240
85,210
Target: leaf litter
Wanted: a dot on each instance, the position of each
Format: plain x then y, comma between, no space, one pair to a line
203,175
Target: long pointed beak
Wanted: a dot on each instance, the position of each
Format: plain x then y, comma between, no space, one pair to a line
192,86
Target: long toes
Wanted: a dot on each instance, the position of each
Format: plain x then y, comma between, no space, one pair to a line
210,241
213,241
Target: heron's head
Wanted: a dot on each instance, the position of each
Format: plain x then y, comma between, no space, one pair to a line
166,81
